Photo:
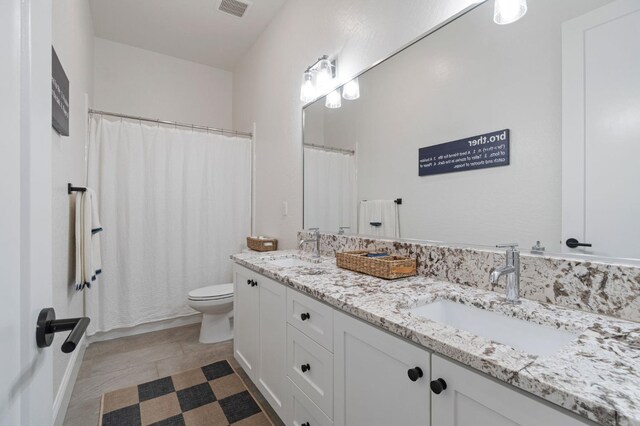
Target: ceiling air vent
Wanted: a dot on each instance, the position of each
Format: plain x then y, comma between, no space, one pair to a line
233,7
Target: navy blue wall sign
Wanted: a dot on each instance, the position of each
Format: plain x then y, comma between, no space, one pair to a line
477,152
59,96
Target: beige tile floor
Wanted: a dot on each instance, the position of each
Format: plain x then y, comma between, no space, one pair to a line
128,361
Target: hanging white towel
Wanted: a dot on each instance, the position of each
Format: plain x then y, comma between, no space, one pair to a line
379,218
87,236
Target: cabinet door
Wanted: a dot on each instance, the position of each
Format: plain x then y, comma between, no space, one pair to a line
272,375
472,399
245,321
372,385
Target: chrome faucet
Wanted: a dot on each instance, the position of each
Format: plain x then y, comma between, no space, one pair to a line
512,271
315,239
342,228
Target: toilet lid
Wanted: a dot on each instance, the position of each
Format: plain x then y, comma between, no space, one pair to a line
218,291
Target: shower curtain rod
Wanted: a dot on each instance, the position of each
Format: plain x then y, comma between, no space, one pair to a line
173,123
331,149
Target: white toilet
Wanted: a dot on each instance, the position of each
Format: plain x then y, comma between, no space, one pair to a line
216,304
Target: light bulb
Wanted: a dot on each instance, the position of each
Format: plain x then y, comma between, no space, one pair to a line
509,11
351,90
308,90
333,99
324,76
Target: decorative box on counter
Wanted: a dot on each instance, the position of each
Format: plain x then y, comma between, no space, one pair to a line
381,265
262,243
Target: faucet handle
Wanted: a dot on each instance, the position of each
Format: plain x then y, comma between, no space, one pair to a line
512,246
313,229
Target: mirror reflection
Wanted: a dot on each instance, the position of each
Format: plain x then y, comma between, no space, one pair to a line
482,134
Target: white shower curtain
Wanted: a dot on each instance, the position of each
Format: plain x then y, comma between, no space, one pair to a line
329,190
174,204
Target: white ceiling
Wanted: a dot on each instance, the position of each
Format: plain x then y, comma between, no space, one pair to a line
194,30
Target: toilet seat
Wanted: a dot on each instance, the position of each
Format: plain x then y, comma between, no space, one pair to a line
212,292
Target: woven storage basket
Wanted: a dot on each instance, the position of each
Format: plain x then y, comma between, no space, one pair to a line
262,243
388,267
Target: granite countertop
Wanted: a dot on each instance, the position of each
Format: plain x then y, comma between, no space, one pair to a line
596,376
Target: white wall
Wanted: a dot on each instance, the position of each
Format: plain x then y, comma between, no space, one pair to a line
267,84
139,82
72,35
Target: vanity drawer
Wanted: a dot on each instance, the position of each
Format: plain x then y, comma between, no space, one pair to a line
303,411
313,318
316,381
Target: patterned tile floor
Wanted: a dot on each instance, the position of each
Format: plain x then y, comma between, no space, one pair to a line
210,395
125,362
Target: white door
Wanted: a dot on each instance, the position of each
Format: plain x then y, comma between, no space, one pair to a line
372,385
601,131
26,386
472,399
273,325
246,326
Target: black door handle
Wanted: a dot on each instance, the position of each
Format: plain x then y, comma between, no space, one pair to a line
415,373
437,386
305,368
48,325
573,243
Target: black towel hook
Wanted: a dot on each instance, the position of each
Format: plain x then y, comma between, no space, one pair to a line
71,188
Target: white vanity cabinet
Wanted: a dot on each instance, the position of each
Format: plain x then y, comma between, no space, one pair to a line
372,377
260,331
471,398
246,320
320,367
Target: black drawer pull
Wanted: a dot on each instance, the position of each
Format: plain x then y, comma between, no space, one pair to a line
415,373
305,367
305,316
306,424
248,282
437,386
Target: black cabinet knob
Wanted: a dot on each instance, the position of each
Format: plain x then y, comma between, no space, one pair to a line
305,368
305,316
305,424
248,282
573,243
254,283
415,373
437,386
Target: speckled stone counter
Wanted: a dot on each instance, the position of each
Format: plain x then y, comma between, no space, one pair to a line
596,376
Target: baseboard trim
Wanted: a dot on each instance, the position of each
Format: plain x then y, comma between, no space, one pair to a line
63,396
144,328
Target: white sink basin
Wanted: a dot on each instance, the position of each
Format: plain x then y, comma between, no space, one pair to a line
528,337
289,262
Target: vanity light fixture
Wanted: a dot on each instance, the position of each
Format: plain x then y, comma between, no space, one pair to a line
508,11
325,74
317,79
308,90
333,99
351,90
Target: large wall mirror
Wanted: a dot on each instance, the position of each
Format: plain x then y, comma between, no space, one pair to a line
546,115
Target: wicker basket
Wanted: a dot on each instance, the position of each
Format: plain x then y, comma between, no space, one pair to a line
388,267
262,243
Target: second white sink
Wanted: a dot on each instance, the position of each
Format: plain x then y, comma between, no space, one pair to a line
289,262
526,336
